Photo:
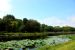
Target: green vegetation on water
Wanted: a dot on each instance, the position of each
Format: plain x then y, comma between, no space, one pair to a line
50,41
70,45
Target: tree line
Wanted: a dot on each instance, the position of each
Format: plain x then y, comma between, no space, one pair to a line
11,24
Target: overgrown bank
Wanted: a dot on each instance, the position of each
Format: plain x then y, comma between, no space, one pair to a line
19,36
65,46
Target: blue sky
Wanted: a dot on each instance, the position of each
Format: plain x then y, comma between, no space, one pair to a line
50,12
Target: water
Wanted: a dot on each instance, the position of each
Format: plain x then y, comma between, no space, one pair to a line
33,44
54,40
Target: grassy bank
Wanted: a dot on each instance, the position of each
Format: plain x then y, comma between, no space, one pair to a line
66,46
18,36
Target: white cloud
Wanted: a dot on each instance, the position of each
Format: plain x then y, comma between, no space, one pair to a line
72,19
56,21
5,7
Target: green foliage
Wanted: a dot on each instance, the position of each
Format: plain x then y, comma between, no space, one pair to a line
33,26
43,28
68,29
10,24
22,28
9,17
57,29
65,46
25,21
18,36
70,45
33,43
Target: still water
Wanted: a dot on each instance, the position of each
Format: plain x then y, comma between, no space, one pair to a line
28,44
49,41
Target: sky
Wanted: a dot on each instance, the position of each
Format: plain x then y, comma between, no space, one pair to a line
50,12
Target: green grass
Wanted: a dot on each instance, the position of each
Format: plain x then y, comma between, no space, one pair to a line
66,46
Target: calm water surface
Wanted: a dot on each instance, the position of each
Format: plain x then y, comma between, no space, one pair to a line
50,41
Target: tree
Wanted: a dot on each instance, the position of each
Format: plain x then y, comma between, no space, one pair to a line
25,20
68,28
8,17
10,24
72,29
1,24
19,24
7,21
57,29
32,26
49,28
43,27
22,28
